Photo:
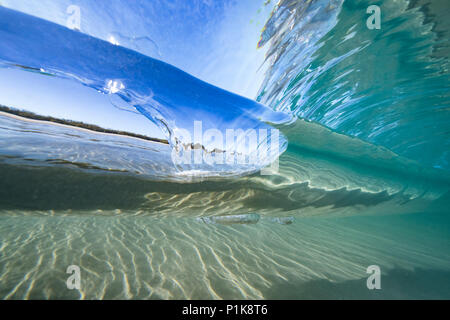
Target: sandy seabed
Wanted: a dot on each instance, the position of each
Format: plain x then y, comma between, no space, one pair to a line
181,258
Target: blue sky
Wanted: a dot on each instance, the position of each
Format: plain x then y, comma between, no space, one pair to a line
67,99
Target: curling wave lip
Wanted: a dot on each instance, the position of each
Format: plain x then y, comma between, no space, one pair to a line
164,94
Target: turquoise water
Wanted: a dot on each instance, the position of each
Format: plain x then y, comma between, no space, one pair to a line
362,159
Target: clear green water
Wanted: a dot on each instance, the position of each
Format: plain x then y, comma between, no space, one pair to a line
365,176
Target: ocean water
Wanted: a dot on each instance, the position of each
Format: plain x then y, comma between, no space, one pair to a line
95,108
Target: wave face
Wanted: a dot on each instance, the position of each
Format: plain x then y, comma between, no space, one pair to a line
389,86
362,114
